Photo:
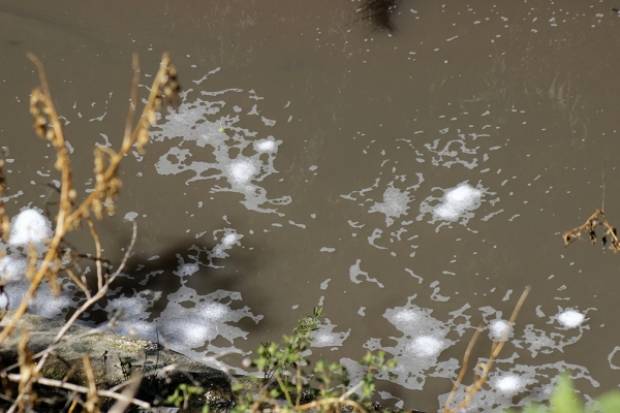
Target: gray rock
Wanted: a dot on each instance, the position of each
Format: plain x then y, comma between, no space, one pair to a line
114,359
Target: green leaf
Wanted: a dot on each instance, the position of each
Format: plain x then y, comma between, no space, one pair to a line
610,402
564,399
535,408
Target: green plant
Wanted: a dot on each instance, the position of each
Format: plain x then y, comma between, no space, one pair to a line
290,382
183,394
565,400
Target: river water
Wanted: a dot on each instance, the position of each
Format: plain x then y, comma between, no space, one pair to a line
411,179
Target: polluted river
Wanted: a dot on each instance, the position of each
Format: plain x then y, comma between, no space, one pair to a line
411,171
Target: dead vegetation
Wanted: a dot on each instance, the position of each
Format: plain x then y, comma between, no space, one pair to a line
482,369
596,227
74,214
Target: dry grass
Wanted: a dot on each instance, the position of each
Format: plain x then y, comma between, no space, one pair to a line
481,378
73,213
597,219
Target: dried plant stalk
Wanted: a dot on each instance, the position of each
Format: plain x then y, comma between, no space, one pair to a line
27,373
597,219
496,349
92,399
47,125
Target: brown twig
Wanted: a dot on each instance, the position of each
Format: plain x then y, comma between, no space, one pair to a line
80,389
92,398
48,125
496,349
129,392
464,367
597,219
95,236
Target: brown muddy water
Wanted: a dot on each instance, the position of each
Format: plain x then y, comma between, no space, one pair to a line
411,181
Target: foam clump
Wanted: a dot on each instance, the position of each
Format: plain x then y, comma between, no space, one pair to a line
500,330
191,332
265,145
187,269
228,240
12,269
457,201
30,226
509,384
571,318
405,315
241,171
395,204
426,346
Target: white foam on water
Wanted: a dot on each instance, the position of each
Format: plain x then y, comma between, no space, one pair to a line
509,384
213,141
500,330
571,318
511,379
12,269
132,314
395,204
30,226
4,301
391,198
241,171
426,346
130,216
187,269
423,339
403,316
45,303
266,145
457,201
191,321
228,240
357,275
326,336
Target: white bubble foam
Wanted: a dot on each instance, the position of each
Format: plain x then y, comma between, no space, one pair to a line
12,269
187,269
326,336
426,346
500,330
241,171
509,384
405,315
457,201
395,204
571,318
230,239
30,226
265,145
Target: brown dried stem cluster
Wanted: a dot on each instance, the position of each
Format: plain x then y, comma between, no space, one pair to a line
485,368
597,219
71,214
